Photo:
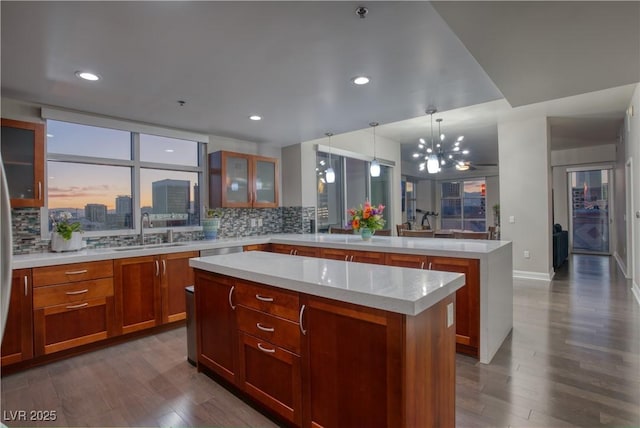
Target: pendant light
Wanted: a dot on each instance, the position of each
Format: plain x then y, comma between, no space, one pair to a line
329,174
375,165
433,165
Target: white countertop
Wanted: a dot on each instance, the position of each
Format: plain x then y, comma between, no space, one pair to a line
428,246
395,289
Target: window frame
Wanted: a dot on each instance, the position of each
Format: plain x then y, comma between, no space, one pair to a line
135,164
461,198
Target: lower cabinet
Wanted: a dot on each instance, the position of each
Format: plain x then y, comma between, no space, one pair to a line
176,275
73,305
137,291
295,250
353,256
319,362
216,323
17,343
257,247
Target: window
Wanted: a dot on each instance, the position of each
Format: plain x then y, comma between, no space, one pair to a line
462,205
95,174
352,186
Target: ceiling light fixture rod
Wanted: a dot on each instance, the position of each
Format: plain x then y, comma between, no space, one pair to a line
330,175
374,169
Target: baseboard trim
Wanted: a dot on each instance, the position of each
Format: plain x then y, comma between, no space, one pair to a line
635,289
537,276
622,265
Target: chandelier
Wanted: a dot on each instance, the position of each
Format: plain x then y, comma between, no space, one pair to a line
435,156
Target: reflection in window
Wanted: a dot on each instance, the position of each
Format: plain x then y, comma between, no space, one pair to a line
83,140
463,205
168,150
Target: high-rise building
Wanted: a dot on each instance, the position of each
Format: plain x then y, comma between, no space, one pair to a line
96,213
123,204
170,196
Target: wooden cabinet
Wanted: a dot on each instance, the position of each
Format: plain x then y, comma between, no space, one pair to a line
23,158
352,255
72,305
467,301
269,348
17,343
176,274
295,250
137,291
407,260
238,180
257,247
216,323
319,362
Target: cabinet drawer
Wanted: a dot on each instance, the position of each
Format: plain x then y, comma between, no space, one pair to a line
274,301
280,332
72,293
72,273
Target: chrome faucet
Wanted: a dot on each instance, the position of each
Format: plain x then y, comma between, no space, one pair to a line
142,226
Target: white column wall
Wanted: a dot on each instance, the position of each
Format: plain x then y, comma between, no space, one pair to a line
525,194
632,149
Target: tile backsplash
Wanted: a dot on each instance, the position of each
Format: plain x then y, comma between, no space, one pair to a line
235,222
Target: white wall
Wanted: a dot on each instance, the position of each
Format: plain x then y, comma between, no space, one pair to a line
632,150
291,170
525,194
492,197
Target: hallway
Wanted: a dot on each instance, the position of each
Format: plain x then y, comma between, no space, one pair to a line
572,360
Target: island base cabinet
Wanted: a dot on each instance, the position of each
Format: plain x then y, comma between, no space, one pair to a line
367,367
216,323
271,375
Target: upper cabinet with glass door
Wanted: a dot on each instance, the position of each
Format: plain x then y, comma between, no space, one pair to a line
22,146
238,180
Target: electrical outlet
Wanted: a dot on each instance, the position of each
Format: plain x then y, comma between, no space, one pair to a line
253,222
259,222
512,219
527,255
449,314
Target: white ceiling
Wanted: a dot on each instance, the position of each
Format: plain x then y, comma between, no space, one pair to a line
292,62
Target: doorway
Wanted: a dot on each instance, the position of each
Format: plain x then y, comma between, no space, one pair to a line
590,216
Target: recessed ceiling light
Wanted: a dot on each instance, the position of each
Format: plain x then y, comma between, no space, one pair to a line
361,80
255,117
169,150
49,135
86,75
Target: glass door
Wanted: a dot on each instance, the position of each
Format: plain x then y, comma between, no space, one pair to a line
589,192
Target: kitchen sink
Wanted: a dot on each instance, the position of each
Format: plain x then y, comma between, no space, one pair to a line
145,247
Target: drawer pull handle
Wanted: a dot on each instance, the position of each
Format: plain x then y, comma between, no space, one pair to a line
81,305
429,265
71,293
26,285
233,287
351,259
267,350
346,257
263,328
264,299
76,272
300,320
295,252
422,265
291,252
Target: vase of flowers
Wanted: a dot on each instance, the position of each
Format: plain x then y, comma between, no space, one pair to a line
211,223
66,235
367,219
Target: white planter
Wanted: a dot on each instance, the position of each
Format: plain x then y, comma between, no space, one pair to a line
58,243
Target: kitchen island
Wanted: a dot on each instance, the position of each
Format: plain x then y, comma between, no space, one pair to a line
330,343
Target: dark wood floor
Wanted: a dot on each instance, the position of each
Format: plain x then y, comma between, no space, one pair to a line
572,360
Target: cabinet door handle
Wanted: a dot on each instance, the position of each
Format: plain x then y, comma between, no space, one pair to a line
233,287
291,252
81,305
346,257
422,265
72,293
263,328
429,265
76,272
267,350
295,252
164,267
351,259
300,319
40,190
157,268
26,285
264,299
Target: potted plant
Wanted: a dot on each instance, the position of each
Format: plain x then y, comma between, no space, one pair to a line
211,222
66,235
